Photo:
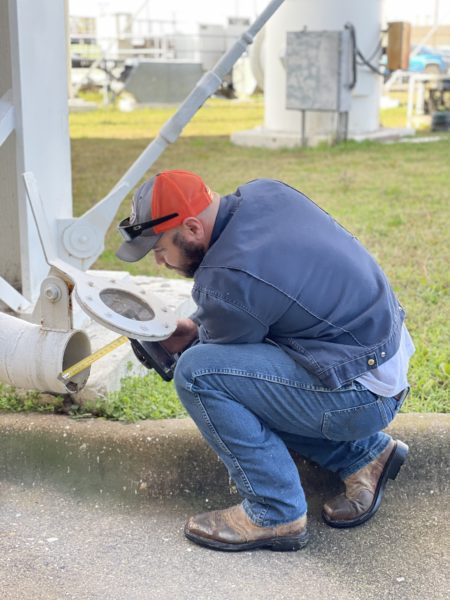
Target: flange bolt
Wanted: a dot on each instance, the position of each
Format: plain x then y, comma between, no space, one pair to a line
52,293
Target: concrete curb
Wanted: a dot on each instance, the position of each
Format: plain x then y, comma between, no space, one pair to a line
160,459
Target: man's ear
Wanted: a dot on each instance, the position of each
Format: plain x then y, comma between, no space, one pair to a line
193,229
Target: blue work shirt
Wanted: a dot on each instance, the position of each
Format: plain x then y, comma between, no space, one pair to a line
281,269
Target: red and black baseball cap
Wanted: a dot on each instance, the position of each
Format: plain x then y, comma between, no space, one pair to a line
160,204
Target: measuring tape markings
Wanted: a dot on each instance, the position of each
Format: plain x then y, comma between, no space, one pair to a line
83,364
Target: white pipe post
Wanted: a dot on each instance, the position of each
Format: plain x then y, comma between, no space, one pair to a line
410,105
9,239
39,76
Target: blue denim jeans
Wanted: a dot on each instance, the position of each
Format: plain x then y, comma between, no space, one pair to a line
252,402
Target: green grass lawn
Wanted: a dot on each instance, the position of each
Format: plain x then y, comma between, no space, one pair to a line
394,197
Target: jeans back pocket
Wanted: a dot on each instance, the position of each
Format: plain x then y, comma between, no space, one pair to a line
355,423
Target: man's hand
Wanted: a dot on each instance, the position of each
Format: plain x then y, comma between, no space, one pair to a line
183,336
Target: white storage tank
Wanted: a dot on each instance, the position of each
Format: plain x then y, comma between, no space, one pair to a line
283,127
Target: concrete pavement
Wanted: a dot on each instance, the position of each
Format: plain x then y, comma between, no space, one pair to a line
53,546
95,509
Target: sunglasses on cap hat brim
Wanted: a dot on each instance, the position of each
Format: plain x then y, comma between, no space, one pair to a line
130,232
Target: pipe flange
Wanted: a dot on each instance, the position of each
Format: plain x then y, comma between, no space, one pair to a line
124,308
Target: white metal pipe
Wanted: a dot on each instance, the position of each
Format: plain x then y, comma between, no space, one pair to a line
410,104
32,358
41,143
12,298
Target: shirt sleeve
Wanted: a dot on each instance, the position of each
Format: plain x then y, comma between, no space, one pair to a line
239,309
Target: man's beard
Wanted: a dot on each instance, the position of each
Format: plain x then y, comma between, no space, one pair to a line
192,255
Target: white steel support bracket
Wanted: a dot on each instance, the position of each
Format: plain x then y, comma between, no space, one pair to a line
81,241
12,298
53,310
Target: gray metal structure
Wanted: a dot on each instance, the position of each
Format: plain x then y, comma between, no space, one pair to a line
319,74
163,81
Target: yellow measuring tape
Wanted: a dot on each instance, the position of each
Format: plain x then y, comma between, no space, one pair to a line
67,374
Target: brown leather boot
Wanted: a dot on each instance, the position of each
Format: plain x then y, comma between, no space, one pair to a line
364,489
232,530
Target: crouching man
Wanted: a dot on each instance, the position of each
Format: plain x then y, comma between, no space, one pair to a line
300,343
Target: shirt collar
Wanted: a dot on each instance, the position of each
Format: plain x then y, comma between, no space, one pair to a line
227,208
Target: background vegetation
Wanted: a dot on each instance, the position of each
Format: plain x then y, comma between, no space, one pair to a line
394,197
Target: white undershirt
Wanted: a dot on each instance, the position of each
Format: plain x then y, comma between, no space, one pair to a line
390,378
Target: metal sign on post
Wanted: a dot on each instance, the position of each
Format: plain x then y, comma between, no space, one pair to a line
318,74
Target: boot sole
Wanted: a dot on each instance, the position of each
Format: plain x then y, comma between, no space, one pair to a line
281,544
390,471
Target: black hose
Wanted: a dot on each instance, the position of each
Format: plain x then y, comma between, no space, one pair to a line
351,28
358,54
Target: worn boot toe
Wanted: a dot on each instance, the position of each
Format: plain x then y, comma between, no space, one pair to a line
231,529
